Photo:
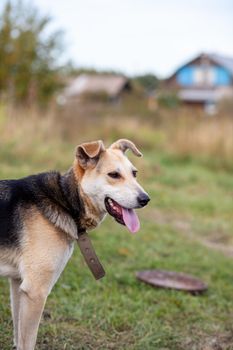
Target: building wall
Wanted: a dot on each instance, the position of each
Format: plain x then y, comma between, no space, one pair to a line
203,75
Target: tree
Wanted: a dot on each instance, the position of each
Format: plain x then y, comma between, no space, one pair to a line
29,69
149,82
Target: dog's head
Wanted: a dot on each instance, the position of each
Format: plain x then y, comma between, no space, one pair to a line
109,180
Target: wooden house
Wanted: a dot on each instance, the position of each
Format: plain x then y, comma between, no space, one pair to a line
110,85
203,81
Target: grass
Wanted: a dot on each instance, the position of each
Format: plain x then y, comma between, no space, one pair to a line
191,206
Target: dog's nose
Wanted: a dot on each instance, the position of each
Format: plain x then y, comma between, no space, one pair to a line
143,199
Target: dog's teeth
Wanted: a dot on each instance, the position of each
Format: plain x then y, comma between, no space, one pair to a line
113,206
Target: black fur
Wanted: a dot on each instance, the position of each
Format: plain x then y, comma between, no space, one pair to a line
46,190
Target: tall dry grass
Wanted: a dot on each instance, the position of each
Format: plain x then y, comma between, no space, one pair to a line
211,137
179,132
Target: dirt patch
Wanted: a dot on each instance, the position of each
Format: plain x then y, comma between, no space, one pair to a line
215,342
219,241
222,248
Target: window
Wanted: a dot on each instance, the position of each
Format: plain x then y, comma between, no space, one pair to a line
204,75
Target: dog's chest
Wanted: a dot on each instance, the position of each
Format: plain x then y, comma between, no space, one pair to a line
9,262
57,266
62,261
8,270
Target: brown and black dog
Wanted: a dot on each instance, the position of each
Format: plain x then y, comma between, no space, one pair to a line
40,218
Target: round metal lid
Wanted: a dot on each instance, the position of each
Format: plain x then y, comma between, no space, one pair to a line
172,280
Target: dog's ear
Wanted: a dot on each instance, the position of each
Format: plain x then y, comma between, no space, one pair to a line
124,144
88,153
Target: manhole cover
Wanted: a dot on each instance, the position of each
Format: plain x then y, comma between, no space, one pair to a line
172,280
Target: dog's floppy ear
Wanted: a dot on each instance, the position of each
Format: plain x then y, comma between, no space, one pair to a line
88,153
124,144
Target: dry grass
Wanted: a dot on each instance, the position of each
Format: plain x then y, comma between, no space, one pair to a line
181,132
211,137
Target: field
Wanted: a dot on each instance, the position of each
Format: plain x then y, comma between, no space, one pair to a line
187,227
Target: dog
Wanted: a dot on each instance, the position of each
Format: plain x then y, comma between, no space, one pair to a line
41,216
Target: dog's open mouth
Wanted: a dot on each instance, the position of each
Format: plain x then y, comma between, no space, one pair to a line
124,216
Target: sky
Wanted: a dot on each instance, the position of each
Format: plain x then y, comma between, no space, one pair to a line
141,36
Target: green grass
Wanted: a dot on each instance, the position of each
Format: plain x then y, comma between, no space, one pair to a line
191,204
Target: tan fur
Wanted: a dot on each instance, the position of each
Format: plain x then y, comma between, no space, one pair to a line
15,304
78,170
111,160
93,216
45,252
9,262
45,244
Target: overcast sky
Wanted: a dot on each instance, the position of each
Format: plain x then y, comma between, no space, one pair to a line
138,36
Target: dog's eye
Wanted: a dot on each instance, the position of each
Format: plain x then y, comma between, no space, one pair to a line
114,175
134,172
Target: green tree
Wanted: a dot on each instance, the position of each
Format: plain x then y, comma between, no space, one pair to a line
29,69
149,82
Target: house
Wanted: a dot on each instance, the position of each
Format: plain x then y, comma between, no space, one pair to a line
110,85
203,81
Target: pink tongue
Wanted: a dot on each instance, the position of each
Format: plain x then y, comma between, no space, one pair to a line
131,220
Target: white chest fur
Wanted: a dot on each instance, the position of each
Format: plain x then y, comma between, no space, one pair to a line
62,261
9,262
8,270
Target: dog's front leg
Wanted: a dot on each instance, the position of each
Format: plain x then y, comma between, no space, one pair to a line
32,303
15,294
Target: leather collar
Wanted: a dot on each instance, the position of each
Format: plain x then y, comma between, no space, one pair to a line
88,252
